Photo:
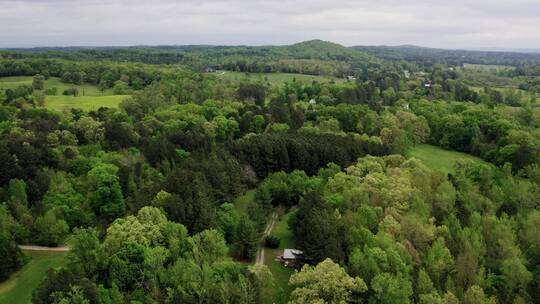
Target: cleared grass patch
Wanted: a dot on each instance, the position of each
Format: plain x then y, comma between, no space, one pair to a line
274,78
53,82
488,67
439,159
241,203
90,97
61,102
18,288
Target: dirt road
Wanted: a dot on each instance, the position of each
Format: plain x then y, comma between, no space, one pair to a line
267,231
43,248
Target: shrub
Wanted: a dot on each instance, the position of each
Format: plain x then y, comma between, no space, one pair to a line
71,92
271,241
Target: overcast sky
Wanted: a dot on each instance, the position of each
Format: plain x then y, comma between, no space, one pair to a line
436,23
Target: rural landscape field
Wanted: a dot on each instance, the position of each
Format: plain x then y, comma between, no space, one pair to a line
213,152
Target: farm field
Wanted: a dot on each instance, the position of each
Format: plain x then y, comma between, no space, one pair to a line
437,158
275,78
18,288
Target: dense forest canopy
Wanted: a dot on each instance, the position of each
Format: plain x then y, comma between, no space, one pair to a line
145,193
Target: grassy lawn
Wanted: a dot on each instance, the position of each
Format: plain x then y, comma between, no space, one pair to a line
241,203
274,78
61,102
18,288
281,274
440,159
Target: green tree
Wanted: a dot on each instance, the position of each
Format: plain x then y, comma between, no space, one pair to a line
438,262
74,296
325,283
317,229
391,289
475,295
246,238
227,220
12,258
38,81
50,230
87,253
120,87
39,98
106,197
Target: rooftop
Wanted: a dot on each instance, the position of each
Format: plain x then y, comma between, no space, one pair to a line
291,254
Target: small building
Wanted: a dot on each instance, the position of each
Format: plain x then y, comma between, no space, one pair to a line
291,258
312,101
351,78
407,74
210,70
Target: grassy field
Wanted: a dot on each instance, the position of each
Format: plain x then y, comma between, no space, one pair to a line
274,78
90,97
241,203
61,102
281,274
18,288
53,82
440,159
489,67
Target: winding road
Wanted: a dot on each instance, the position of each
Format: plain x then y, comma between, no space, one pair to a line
267,231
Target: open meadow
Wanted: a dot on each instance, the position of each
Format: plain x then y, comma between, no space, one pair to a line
90,96
18,288
275,78
437,158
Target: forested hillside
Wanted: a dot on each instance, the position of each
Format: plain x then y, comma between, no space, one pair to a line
313,57
168,195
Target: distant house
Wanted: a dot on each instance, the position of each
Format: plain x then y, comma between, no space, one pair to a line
210,70
351,78
407,74
291,258
312,101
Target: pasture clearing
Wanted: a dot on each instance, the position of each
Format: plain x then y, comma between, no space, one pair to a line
87,103
18,288
90,96
275,78
439,159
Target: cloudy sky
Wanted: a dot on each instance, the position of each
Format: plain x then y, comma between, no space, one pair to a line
436,23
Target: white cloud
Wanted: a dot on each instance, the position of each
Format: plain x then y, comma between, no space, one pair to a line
459,23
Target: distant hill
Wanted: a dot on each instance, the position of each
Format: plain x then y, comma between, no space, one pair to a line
506,50
430,56
314,57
